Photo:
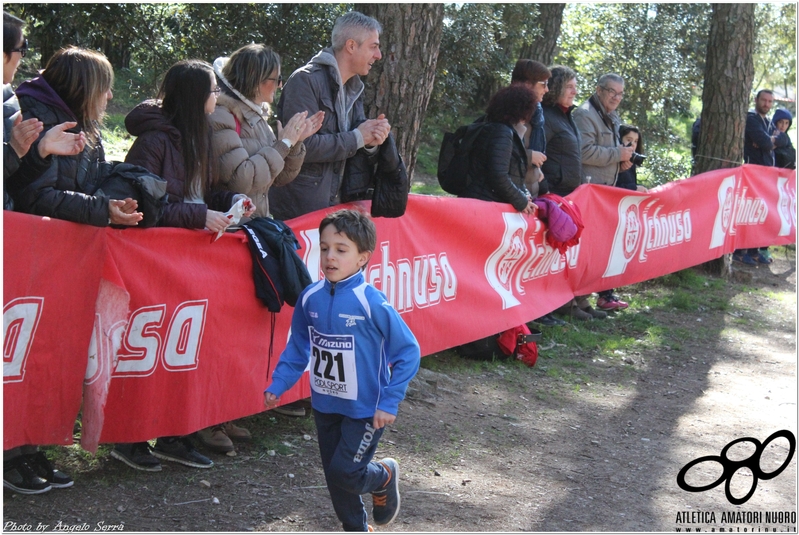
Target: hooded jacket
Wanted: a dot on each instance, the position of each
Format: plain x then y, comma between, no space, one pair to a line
497,167
784,151
66,189
157,148
251,160
313,87
10,107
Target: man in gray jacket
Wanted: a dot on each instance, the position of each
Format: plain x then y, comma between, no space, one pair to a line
598,123
331,82
603,155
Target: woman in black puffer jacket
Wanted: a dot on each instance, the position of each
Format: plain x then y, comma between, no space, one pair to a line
75,86
498,161
563,167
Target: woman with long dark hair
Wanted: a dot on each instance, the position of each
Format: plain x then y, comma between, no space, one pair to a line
74,87
174,142
630,136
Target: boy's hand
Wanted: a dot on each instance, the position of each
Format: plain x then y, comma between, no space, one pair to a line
270,400
382,419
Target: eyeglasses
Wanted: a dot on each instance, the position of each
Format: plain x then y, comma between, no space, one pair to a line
614,93
217,90
23,50
545,83
279,80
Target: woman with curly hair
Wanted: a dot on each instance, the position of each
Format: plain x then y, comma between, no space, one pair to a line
562,169
498,161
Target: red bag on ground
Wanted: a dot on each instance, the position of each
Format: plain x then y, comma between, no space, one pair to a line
520,342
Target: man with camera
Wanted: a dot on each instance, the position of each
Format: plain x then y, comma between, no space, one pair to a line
603,155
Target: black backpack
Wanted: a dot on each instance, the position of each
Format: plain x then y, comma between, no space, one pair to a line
453,159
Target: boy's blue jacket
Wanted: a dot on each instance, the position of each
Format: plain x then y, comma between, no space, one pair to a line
350,334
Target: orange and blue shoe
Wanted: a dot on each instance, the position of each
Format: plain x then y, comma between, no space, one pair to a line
386,501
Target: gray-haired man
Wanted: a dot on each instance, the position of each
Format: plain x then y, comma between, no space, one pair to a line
598,123
603,155
331,82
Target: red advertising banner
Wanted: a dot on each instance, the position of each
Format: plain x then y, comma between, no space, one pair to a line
160,333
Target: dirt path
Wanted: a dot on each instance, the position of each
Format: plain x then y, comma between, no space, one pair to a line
592,444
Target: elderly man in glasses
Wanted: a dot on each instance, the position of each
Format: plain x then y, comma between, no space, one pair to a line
598,123
603,155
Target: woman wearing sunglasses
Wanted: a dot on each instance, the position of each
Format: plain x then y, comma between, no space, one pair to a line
251,158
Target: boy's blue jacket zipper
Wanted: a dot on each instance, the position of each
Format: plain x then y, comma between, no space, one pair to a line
350,309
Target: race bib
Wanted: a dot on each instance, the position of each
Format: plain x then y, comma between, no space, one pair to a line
333,371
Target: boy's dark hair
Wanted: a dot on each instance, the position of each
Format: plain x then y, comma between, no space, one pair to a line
355,225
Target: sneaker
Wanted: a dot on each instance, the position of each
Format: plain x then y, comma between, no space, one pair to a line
20,477
386,502
44,469
136,455
764,258
549,320
594,313
744,258
215,439
292,409
239,434
621,304
607,303
180,450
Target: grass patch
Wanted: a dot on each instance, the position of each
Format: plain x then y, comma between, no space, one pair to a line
429,188
116,140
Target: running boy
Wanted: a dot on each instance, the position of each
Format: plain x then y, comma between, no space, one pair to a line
352,336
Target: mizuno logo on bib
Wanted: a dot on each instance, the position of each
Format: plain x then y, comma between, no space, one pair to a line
333,371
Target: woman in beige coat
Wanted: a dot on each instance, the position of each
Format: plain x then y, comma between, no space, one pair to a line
251,158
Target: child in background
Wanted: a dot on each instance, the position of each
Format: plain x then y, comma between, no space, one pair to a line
784,152
363,356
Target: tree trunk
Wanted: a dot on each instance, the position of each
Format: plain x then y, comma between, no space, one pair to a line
400,85
550,17
729,73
